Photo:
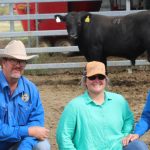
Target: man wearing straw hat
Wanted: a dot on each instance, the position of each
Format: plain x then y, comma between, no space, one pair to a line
21,110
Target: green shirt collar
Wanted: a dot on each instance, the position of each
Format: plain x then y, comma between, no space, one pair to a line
89,99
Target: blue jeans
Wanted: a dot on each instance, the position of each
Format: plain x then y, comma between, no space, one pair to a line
136,145
41,145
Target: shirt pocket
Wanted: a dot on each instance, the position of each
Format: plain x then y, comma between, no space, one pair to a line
24,111
3,113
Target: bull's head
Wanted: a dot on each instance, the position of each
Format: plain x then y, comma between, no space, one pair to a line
74,22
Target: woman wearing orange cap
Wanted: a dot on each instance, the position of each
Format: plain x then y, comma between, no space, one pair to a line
97,119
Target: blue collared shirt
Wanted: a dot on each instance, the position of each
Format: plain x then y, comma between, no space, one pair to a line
18,112
144,123
86,125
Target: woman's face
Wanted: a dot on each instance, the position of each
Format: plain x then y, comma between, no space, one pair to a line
96,84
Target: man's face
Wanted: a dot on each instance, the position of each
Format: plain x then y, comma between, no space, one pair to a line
13,68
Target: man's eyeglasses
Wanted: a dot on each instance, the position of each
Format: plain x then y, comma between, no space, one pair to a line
14,62
98,76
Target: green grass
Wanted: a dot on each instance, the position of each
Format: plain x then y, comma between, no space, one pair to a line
5,26
4,10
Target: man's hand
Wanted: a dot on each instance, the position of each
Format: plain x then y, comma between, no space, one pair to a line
130,137
40,133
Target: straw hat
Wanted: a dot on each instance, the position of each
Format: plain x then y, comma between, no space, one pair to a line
16,49
95,67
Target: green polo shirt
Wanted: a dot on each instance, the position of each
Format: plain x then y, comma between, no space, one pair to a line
85,125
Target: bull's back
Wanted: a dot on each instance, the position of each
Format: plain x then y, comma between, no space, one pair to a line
121,36
129,25
113,31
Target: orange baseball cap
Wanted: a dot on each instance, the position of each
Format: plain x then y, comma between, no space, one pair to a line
95,67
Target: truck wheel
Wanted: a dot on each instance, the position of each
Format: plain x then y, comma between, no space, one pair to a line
45,43
64,42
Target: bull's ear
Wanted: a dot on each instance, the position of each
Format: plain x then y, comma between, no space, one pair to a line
87,19
59,18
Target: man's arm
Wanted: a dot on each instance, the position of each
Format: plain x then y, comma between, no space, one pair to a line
142,126
144,123
36,131
12,134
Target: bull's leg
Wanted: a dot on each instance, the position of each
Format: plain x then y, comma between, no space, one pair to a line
130,69
148,55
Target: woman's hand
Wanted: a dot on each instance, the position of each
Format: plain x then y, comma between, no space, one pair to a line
130,137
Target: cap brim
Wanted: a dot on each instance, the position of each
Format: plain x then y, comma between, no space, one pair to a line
95,73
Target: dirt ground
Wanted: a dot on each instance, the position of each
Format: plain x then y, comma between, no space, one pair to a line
57,89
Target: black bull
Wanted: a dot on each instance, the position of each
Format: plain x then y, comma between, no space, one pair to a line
101,36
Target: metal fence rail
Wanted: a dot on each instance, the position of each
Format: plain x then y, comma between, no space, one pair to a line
124,63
